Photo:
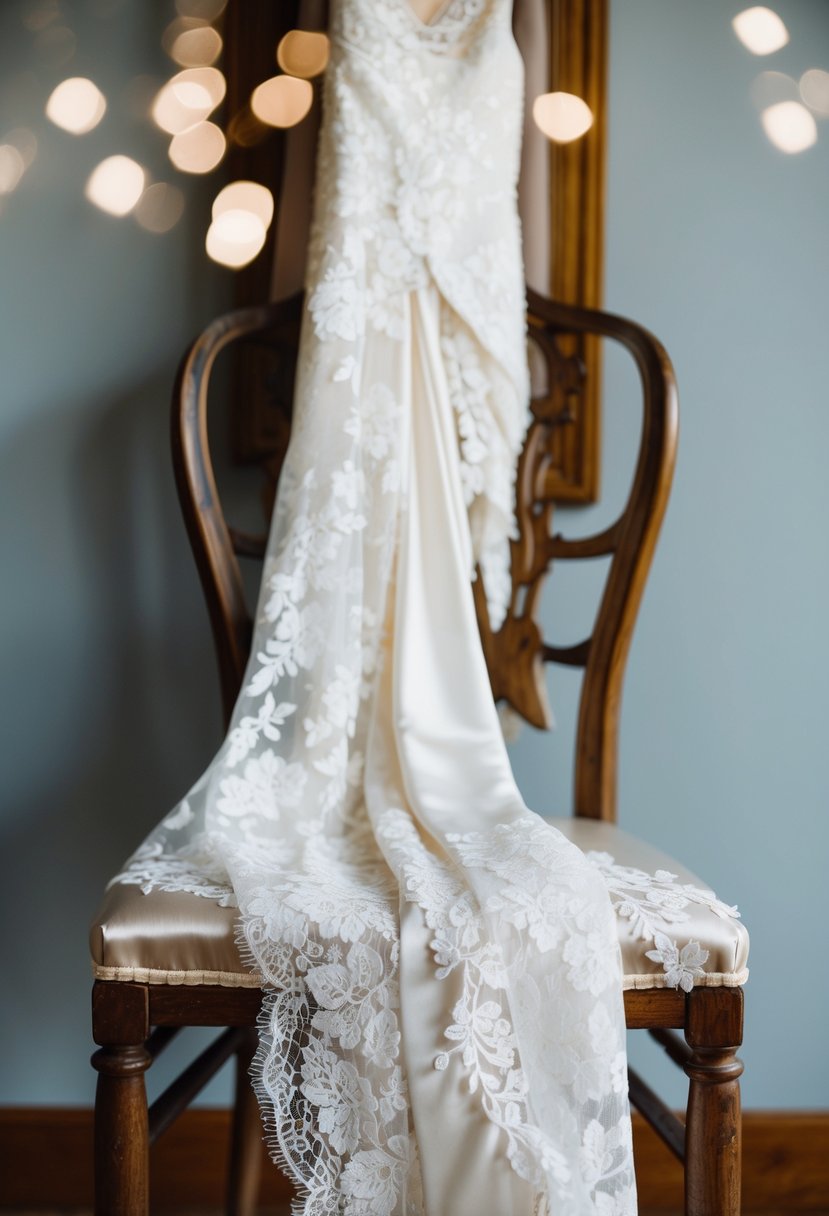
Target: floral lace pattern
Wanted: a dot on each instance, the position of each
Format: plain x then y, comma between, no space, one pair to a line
302,818
655,903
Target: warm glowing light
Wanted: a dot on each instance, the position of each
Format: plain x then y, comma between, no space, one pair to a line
282,101
303,53
199,149
245,196
187,99
160,207
12,168
769,88
235,238
196,47
245,130
790,126
814,89
760,30
76,105
562,117
178,107
38,14
116,185
25,141
210,79
55,45
203,10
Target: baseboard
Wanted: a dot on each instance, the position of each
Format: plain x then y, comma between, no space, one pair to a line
46,1162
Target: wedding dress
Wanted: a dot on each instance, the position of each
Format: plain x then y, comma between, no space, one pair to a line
443,1028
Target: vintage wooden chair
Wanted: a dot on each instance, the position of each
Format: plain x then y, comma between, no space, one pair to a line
166,961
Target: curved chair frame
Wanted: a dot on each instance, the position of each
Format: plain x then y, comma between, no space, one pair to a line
711,1018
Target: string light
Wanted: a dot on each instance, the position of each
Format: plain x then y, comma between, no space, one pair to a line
235,238
116,185
192,43
760,30
202,10
77,105
790,126
562,117
245,196
282,101
160,208
303,53
188,99
12,168
814,89
199,149
769,88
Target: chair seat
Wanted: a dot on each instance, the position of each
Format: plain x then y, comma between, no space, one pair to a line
179,938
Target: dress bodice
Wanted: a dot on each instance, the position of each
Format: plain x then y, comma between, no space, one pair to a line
421,157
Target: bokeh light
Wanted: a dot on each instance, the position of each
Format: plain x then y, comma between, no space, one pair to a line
76,105
197,47
160,207
814,89
37,14
245,196
116,185
203,10
12,168
282,101
562,117
760,30
55,46
188,99
303,53
198,149
235,238
769,88
25,141
790,126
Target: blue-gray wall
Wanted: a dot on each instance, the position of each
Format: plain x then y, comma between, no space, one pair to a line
719,244
715,240
108,686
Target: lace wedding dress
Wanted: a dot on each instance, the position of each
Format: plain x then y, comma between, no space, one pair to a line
443,1030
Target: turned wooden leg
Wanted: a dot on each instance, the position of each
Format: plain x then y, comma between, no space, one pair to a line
714,1031
121,1128
246,1138
122,1143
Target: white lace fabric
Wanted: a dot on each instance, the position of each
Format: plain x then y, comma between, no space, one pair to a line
443,1029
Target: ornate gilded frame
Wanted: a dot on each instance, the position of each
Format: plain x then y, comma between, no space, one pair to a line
578,64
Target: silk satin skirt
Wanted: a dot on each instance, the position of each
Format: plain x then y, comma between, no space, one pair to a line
436,718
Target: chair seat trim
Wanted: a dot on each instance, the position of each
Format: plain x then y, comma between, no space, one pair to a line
250,979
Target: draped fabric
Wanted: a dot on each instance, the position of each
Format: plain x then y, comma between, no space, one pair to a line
443,1028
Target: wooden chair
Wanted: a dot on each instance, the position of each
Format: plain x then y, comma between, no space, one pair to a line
143,992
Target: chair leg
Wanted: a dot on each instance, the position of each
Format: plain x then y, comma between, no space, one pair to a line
246,1138
122,1163
714,1031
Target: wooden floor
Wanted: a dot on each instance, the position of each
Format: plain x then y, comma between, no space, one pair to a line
275,1211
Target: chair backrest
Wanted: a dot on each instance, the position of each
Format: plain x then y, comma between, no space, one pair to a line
516,653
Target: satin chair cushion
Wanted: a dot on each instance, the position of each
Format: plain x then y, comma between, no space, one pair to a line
176,938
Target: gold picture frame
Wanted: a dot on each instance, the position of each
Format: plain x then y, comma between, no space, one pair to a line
578,64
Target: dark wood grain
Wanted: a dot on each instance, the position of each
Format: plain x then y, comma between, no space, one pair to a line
46,1164
713,1031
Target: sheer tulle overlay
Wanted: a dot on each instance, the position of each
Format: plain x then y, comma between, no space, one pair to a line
443,1030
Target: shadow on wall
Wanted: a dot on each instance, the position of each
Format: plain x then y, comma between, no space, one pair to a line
114,702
